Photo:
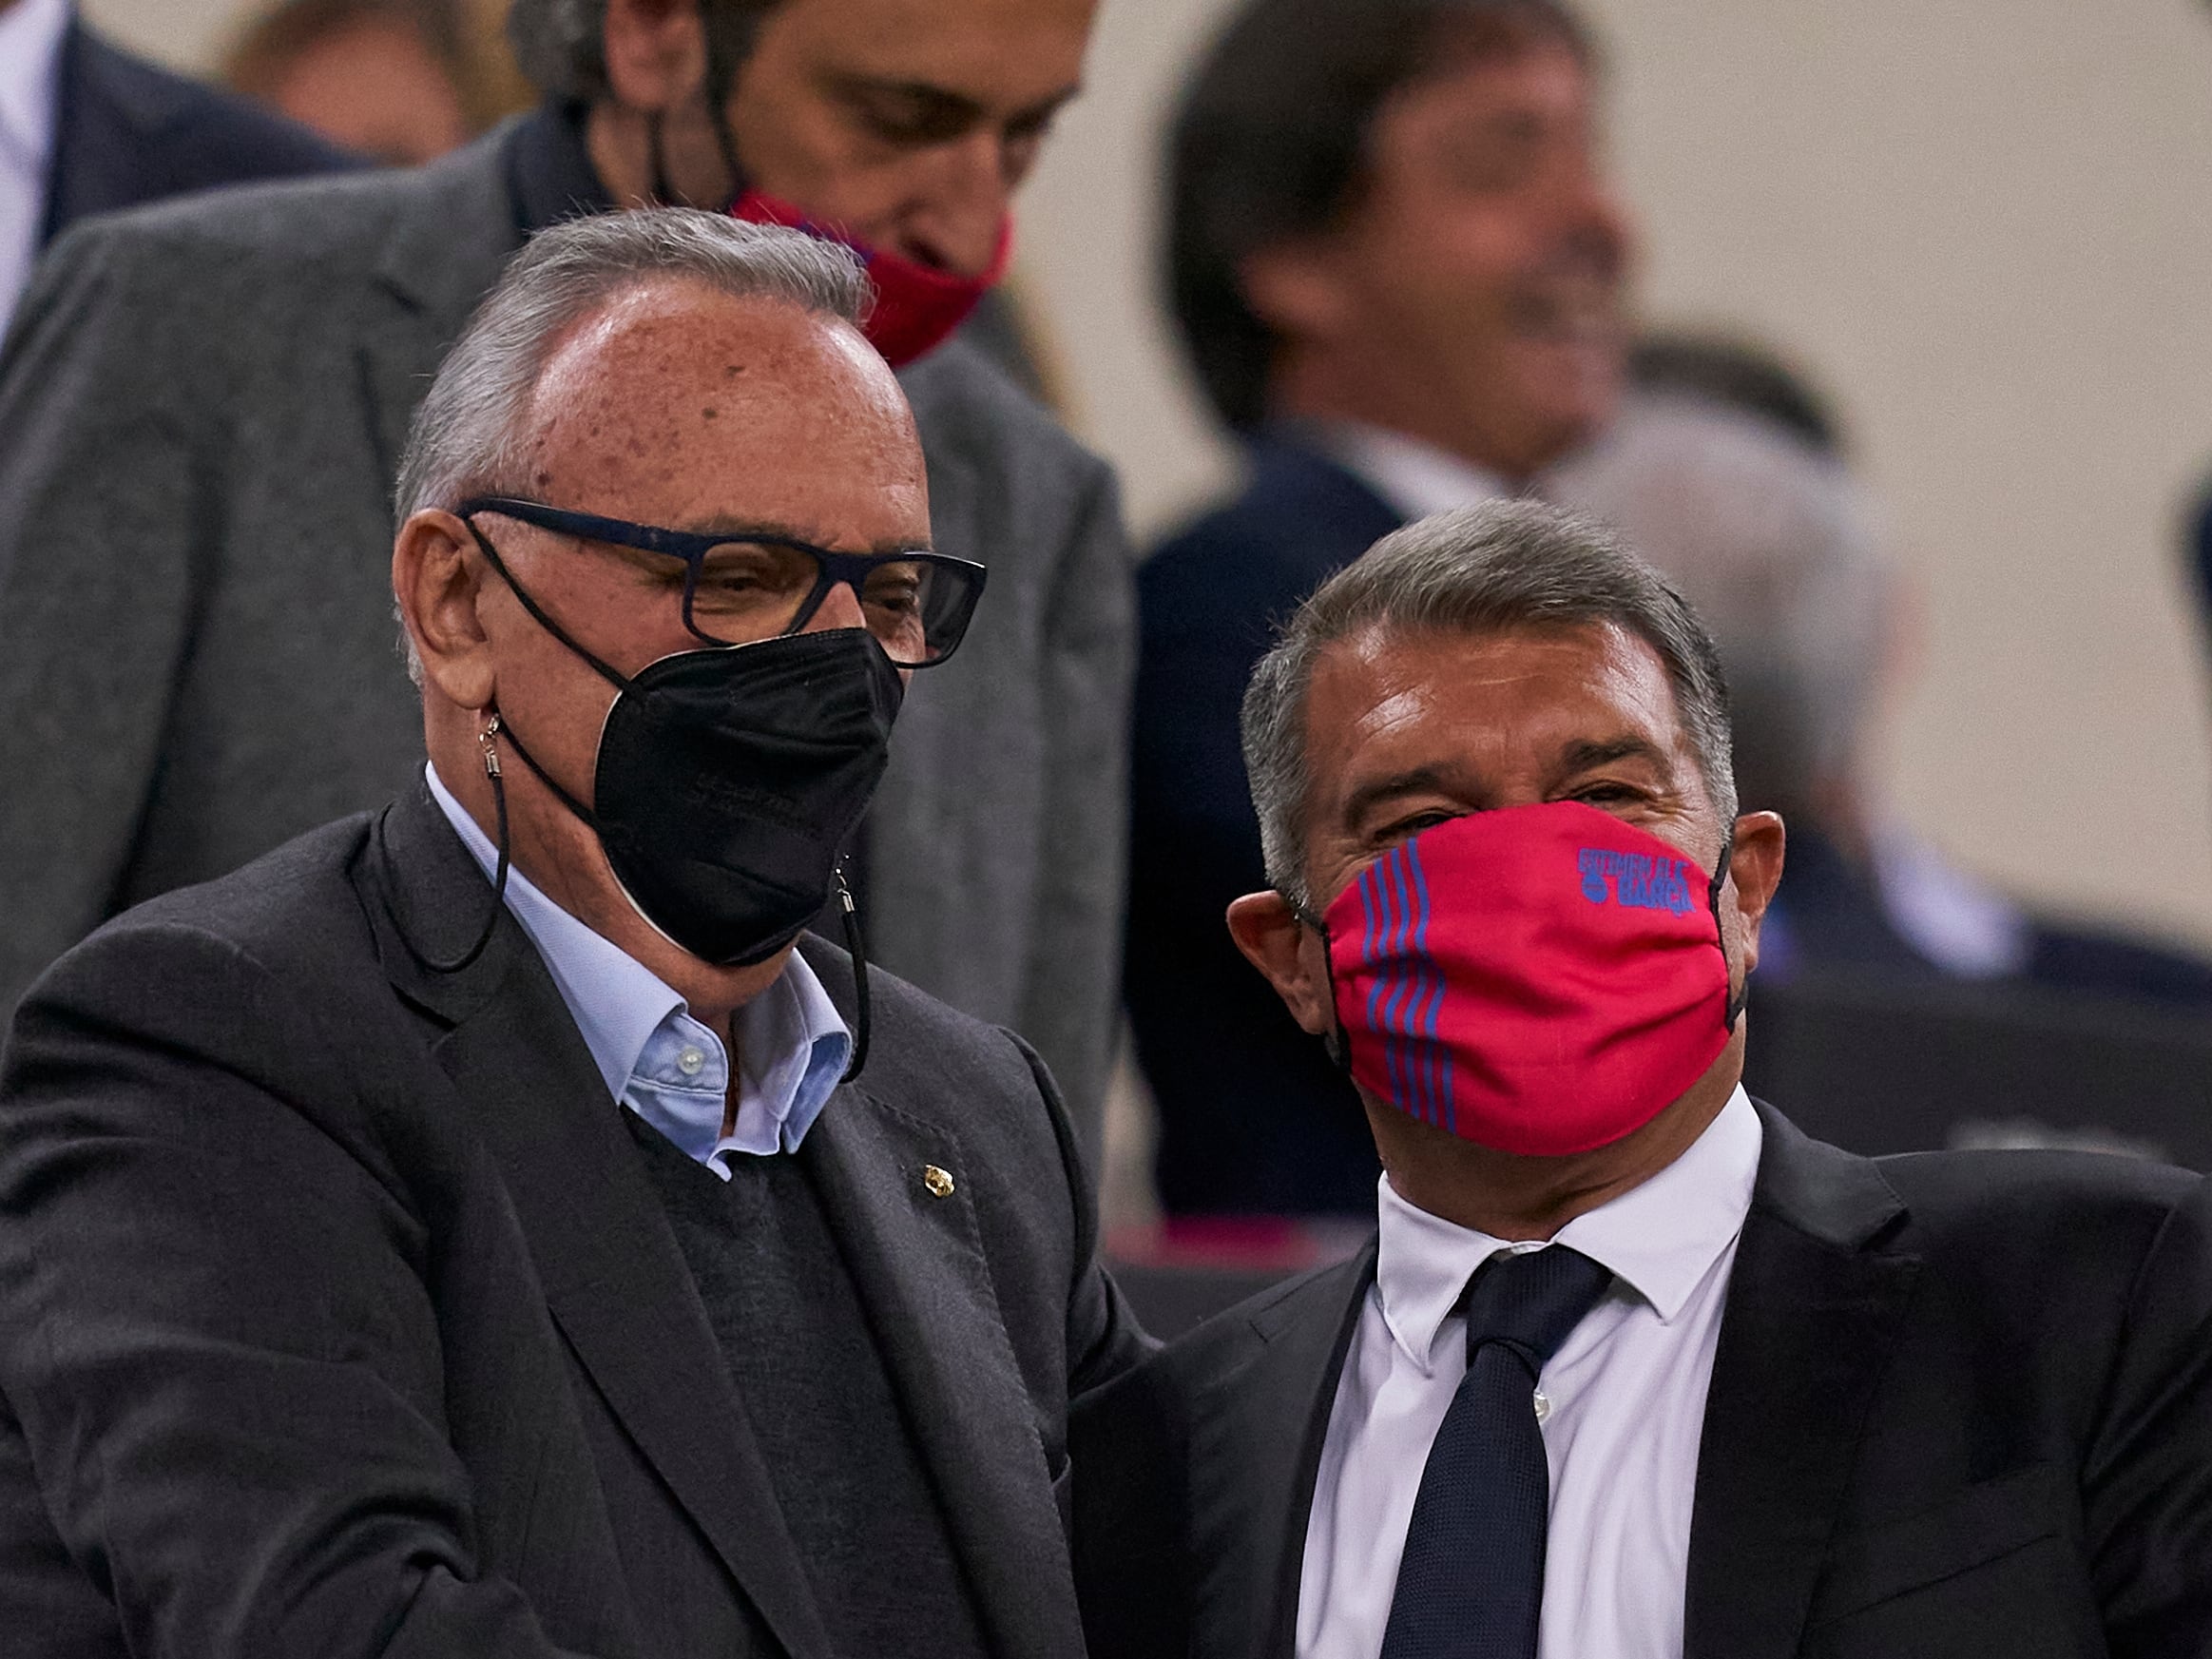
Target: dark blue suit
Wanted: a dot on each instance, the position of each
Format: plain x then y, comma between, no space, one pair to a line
1252,1116
127,132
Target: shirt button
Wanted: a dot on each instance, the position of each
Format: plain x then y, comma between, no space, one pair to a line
690,1062
1543,1403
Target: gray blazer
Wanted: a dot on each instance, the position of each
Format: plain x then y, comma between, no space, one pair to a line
382,1342
201,408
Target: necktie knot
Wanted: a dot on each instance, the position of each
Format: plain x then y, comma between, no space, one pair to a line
1531,1302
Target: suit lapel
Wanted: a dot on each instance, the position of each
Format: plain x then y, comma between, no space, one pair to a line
1813,1312
1256,1432
613,1274
918,1265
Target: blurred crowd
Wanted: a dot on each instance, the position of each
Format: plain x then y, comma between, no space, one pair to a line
1400,272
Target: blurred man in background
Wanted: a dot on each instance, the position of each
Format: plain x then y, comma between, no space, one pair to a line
86,127
1727,470
1399,271
232,384
390,78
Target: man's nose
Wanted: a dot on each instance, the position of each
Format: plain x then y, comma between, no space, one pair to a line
969,197
840,607
1598,226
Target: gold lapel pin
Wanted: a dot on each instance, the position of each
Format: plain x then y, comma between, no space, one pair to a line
938,1181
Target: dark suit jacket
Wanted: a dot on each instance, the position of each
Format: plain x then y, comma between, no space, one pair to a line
127,132
1252,1117
338,1317
1962,1404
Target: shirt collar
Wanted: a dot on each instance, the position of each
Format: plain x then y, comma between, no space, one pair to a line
30,48
1659,1238
791,1044
1416,477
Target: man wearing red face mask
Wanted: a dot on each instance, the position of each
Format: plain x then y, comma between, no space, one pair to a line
202,408
1632,1369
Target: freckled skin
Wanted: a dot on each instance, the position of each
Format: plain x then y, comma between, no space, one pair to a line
1488,721
806,432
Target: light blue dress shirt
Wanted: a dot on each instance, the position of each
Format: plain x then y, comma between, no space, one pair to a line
657,1060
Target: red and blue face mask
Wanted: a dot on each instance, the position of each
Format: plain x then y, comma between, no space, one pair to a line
917,306
1538,979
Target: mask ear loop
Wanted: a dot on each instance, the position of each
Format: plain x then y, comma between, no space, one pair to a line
1738,995
856,948
1332,1042
657,165
605,672
723,55
488,738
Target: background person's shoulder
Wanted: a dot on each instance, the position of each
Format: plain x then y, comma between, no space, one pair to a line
962,399
288,239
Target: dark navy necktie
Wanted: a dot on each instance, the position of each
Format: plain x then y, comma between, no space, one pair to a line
1470,1583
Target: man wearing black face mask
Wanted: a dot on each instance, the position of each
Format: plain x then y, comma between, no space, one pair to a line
234,381
485,1225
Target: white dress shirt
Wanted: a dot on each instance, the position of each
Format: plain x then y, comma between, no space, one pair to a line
1416,477
1625,1410
671,1070
31,49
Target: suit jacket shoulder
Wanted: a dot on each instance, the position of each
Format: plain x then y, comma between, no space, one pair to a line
1300,519
976,405
1195,1472
284,243
129,131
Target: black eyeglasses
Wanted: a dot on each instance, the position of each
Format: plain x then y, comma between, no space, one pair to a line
739,589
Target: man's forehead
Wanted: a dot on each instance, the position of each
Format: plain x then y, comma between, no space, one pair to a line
657,339
680,406
1384,698
991,52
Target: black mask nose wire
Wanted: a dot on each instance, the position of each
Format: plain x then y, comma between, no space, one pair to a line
487,738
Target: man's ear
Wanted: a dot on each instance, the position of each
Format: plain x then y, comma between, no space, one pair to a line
437,586
655,52
1288,952
1755,870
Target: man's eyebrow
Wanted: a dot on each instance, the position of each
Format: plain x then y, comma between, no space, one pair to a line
942,101
769,529
1419,781
1584,756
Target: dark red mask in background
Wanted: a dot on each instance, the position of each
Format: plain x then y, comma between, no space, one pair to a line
1538,979
918,306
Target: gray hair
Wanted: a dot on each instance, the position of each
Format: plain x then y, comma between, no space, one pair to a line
561,45
1778,550
1503,565
469,434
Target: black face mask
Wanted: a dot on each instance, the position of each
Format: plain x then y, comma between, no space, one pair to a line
729,779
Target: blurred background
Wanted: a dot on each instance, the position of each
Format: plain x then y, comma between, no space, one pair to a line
1985,228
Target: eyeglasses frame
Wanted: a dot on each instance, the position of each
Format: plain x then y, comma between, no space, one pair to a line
837,570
